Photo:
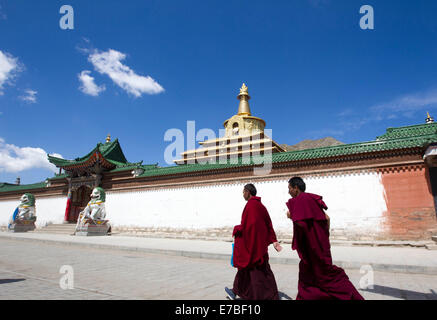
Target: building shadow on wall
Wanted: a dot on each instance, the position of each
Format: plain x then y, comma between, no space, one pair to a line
402,293
4,281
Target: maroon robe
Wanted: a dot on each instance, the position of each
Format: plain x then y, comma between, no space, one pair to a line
318,277
254,279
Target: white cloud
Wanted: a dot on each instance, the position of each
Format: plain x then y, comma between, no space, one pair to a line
88,86
406,104
109,63
8,68
2,14
30,96
16,159
85,46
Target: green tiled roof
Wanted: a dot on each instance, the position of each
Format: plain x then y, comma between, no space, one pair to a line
111,151
417,136
4,187
410,131
59,176
190,168
395,139
132,166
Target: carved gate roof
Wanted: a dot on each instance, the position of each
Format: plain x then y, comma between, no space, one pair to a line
109,155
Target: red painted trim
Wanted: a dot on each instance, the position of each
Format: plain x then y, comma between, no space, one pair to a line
68,208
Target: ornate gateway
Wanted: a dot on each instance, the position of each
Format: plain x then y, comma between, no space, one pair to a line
86,173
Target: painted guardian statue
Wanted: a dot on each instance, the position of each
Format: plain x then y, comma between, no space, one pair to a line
91,221
24,217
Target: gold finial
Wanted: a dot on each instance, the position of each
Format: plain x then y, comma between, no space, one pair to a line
244,89
243,108
428,118
108,138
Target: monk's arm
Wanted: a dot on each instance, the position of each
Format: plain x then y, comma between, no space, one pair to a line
300,242
300,224
271,230
237,231
272,234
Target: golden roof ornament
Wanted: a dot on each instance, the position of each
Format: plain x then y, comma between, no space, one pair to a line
244,89
108,138
243,108
428,118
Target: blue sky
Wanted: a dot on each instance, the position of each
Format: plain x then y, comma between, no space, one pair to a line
150,66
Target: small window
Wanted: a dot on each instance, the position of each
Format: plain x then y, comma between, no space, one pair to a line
235,129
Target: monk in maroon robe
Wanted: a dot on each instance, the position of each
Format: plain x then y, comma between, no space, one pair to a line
254,279
318,277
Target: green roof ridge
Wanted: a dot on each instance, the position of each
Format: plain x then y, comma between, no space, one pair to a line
5,187
408,141
413,130
137,165
111,151
394,139
58,176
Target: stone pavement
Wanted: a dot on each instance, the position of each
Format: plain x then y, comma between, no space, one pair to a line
24,287
31,270
392,259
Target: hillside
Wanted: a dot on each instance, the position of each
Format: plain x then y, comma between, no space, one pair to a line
311,144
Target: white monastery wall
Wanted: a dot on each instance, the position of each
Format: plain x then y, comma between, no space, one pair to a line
355,203
48,210
7,209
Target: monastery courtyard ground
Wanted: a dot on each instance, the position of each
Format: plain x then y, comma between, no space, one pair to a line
31,270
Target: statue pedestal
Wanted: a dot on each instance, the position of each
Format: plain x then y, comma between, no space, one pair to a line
92,230
23,226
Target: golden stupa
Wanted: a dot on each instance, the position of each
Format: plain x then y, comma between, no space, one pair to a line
244,136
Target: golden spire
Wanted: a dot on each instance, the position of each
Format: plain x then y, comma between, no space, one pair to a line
428,118
108,138
243,108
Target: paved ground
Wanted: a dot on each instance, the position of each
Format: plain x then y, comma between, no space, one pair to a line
386,259
31,270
